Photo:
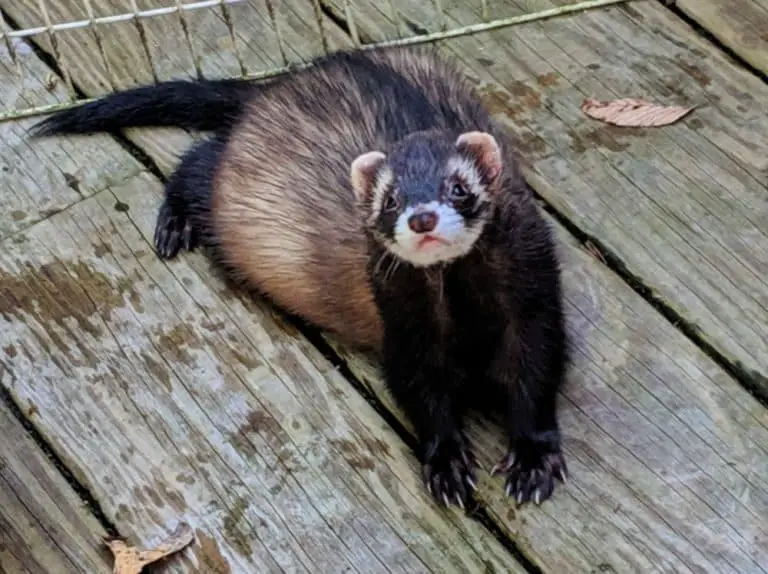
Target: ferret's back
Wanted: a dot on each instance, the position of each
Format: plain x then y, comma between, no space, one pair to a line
283,205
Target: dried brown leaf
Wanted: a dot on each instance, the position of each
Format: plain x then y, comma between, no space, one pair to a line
131,560
593,250
630,112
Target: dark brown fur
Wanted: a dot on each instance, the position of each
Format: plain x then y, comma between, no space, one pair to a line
283,210
270,194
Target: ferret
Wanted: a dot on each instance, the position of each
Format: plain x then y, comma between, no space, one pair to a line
371,195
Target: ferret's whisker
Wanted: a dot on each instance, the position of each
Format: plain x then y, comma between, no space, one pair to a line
377,267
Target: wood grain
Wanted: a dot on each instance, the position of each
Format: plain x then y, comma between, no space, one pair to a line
667,453
681,207
39,180
44,527
172,400
742,25
125,62
169,399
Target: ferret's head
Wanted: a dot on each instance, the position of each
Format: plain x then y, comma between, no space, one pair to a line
428,200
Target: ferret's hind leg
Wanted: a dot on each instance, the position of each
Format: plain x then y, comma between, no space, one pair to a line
184,213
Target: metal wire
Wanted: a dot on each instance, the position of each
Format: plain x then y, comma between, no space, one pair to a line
8,35
116,18
55,49
100,45
190,48
4,29
276,28
227,15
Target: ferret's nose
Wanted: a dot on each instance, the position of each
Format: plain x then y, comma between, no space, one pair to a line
423,222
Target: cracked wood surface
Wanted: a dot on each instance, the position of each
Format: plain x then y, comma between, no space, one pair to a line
170,399
667,452
30,173
742,25
122,62
44,527
683,207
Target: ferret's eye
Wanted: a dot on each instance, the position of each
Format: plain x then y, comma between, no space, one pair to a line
390,204
458,191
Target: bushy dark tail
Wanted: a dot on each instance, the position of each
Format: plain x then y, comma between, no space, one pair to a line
197,105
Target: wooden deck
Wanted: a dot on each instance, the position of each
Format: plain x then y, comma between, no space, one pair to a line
135,393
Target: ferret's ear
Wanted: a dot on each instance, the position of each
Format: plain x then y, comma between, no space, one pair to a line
363,172
484,149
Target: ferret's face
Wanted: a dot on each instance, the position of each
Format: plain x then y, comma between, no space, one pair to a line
427,202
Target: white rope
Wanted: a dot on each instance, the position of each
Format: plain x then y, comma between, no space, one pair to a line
112,19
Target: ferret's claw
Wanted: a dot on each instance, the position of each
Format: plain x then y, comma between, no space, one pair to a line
532,474
173,233
471,483
504,465
445,470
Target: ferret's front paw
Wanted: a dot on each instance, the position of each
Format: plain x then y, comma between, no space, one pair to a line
531,472
449,470
173,233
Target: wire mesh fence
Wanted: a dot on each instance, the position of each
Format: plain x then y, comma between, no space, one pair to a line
100,46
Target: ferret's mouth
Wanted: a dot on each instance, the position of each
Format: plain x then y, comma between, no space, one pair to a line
431,241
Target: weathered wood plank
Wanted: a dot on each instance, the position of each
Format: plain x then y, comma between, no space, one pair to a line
682,207
742,25
412,541
29,173
667,453
44,527
125,62
684,528
184,403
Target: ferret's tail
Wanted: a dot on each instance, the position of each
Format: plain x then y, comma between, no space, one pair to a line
197,105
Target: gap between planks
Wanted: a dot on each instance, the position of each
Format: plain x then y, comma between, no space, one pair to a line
44,527
737,29
134,146
88,211
743,364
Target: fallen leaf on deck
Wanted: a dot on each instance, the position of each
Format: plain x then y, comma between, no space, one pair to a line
593,250
131,560
630,112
